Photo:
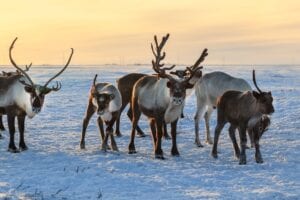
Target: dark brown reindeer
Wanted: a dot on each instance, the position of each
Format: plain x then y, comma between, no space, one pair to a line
161,98
126,83
2,110
238,108
21,97
104,99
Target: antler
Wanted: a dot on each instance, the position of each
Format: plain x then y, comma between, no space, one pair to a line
200,60
94,82
156,65
18,68
27,67
192,72
61,71
254,81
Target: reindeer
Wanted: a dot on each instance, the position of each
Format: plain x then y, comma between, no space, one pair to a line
208,89
239,108
106,100
161,98
21,97
125,86
2,110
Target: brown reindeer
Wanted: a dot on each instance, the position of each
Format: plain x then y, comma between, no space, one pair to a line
161,98
238,108
104,99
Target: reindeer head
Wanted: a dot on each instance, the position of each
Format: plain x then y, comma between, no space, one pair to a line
264,99
176,87
37,92
101,100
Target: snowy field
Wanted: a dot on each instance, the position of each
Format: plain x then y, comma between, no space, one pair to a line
55,168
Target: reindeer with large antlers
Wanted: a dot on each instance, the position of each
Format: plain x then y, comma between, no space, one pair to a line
161,98
21,97
126,83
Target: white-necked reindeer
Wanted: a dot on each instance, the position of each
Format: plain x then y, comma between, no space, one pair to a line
21,97
208,89
105,99
13,73
161,98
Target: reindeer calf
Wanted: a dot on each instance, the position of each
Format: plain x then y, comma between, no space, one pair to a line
239,108
106,100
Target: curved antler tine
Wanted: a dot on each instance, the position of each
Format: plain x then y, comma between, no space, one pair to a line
94,81
254,81
24,83
62,70
57,87
200,59
169,68
15,65
27,67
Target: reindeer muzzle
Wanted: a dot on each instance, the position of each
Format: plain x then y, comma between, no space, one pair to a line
177,101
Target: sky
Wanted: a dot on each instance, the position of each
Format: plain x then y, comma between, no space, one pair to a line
120,31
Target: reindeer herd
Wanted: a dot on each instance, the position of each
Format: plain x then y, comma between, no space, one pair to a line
159,96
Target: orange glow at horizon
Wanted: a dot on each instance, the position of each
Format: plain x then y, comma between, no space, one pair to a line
235,32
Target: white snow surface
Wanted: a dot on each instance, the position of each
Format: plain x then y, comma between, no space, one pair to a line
54,167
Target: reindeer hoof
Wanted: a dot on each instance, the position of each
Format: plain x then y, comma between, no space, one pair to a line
1,137
115,148
167,137
214,155
243,160
141,135
13,150
118,134
82,146
200,145
209,141
131,151
159,156
23,148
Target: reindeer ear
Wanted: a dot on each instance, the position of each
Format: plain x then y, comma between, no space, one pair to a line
255,94
189,86
28,89
111,96
169,84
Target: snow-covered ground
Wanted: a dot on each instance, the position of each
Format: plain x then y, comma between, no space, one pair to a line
55,168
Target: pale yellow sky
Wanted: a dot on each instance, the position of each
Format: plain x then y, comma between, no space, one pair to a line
234,31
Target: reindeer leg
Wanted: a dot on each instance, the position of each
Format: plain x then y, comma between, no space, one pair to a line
11,126
152,124
159,132
218,130
21,125
243,143
110,130
101,130
165,133
117,132
233,139
258,156
207,117
138,129
174,150
89,113
1,125
135,118
199,115
251,137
